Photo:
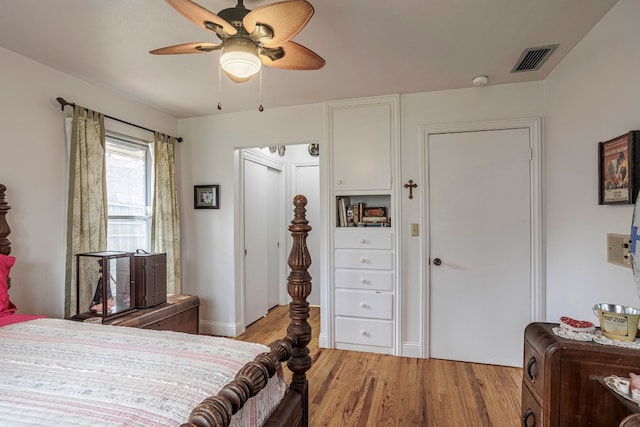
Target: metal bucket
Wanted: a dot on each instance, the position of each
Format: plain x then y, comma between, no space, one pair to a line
618,322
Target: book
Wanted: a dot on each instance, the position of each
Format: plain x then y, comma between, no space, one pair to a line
342,213
355,209
372,219
377,211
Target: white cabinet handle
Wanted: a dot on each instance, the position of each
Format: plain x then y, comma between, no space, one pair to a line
339,182
363,260
363,333
363,240
363,305
363,280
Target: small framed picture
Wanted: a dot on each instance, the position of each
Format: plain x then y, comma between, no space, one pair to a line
206,196
618,178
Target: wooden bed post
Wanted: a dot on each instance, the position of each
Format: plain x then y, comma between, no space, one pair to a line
5,245
216,411
299,287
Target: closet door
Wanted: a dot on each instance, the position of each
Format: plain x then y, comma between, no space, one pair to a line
274,211
256,236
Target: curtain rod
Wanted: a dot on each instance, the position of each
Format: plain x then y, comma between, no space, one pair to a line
64,103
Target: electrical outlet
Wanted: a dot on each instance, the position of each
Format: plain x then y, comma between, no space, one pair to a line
618,247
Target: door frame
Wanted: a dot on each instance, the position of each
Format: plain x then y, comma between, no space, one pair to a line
534,125
293,191
252,155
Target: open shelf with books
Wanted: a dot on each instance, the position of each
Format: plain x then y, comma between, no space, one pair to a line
363,211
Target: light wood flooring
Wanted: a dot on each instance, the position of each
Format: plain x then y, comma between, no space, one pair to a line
349,388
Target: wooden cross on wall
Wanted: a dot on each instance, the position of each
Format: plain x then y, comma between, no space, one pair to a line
410,185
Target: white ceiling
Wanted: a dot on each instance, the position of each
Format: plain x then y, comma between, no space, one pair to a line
371,47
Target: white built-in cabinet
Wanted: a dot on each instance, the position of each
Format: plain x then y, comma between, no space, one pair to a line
364,295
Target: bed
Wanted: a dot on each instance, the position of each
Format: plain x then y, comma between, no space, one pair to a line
63,372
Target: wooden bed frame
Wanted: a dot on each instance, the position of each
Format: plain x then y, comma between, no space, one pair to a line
293,409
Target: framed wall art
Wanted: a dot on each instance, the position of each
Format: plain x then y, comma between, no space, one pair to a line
206,196
618,162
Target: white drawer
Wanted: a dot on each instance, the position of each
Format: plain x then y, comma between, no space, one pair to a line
377,333
354,258
354,239
377,280
375,305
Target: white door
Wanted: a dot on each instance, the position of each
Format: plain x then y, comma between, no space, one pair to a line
307,182
480,235
275,207
256,235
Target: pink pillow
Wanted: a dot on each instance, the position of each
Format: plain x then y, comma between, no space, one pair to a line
6,262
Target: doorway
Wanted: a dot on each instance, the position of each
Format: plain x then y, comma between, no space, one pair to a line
268,180
482,244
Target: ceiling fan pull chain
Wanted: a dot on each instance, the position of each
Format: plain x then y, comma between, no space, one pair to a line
219,86
261,108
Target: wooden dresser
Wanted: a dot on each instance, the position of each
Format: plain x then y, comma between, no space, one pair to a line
180,314
558,386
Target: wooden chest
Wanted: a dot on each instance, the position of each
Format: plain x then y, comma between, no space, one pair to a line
558,385
180,314
150,279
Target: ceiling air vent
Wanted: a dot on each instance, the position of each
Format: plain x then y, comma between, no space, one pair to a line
533,58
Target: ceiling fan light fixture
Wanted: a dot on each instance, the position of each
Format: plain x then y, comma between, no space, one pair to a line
239,57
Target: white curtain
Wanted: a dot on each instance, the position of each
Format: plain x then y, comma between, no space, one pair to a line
165,229
87,196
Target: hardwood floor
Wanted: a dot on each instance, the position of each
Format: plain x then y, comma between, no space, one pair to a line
349,388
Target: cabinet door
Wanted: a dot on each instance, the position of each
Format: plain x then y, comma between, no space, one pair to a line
361,138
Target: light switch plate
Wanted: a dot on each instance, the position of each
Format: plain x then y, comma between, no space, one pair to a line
415,230
618,246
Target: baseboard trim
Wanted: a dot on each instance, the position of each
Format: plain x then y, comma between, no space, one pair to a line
221,329
323,342
411,349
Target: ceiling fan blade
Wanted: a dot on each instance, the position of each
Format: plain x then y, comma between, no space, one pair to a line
296,57
200,47
236,79
201,16
285,19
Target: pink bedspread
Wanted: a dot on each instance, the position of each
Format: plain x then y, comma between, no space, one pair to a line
71,374
16,318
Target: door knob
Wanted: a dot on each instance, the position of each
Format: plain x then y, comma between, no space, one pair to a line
437,261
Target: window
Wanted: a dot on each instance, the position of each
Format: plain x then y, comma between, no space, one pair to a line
128,166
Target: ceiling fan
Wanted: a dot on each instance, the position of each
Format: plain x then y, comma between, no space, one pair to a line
250,38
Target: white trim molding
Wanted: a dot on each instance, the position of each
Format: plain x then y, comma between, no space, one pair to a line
538,294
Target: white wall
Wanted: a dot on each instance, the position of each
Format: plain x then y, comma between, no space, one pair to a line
588,98
524,100
32,166
208,158
591,96
208,245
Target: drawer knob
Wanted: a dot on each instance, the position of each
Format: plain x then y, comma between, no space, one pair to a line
532,369
363,333
363,240
363,260
363,281
529,418
363,305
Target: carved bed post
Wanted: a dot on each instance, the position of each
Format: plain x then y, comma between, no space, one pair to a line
216,411
299,287
5,245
